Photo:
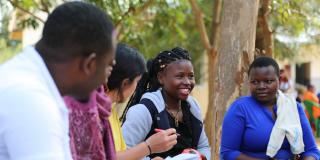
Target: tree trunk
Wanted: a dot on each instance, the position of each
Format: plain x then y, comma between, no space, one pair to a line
212,65
228,69
264,36
211,114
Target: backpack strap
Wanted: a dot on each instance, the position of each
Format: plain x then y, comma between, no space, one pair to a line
159,120
151,108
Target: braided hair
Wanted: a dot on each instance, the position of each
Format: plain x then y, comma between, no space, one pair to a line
149,81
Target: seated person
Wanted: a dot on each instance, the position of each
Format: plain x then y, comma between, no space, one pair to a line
267,124
310,95
166,103
122,82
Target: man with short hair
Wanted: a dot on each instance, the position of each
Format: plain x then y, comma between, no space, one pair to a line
74,56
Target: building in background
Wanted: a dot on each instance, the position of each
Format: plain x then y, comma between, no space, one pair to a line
29,35
304,69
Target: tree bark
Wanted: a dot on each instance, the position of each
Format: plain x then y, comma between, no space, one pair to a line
211,129
211,50
264,36
229,55
228,69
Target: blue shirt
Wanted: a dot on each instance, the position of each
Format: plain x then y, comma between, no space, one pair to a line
247,127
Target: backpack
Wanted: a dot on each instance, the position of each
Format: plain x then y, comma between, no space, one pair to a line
161,121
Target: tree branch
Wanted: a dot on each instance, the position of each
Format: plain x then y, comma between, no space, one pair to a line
217,8
132,10
200,23
45,7
264,15
26,11
268,43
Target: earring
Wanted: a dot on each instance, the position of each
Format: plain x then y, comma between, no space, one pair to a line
162,66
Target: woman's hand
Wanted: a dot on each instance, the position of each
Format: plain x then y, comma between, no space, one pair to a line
162,141
309,158
157,158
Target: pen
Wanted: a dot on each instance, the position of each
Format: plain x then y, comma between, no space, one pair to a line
159,130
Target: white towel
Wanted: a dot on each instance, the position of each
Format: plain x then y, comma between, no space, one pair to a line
184,156
287,125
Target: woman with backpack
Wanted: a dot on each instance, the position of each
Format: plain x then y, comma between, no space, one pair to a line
161,101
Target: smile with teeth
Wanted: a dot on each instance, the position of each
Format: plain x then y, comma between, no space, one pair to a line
262,94
185,90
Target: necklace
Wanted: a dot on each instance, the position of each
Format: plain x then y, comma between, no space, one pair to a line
175,116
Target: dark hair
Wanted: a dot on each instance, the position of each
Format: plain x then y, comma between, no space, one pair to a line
149,81
310,86
129,64
76,29
265,62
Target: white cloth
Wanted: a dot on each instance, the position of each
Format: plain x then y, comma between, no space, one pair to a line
184,156
287,125
33,117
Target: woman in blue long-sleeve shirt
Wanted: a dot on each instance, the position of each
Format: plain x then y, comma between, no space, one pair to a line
249,121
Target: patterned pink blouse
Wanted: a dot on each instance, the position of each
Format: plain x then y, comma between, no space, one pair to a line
90,131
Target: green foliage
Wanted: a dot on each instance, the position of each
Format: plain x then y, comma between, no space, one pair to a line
30,22
161,26
7,51
8,48
164,24
149,26
28,11
294,19
295,16
284,50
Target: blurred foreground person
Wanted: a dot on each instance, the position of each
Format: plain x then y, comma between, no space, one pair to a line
74,56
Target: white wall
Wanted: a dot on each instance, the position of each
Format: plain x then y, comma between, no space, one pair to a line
311,53
315,72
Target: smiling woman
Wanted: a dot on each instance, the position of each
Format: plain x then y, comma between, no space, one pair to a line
166,103
259,126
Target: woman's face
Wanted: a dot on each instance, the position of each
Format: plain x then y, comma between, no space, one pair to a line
177,79
128,88
264,84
